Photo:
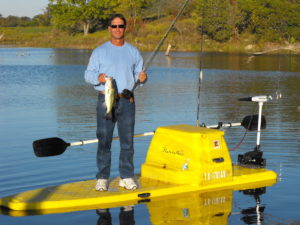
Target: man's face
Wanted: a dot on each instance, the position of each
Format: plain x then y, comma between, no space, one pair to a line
117,32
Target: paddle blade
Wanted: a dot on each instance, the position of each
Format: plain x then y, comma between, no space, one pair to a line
251,122
49,147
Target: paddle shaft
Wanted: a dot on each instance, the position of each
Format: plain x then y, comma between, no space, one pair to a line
57,146
224,125
114,138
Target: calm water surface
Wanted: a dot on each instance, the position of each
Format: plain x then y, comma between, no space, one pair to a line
43,94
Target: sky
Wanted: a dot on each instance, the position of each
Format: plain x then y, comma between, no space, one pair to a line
29,8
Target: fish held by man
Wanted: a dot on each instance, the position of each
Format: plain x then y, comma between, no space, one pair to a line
110,98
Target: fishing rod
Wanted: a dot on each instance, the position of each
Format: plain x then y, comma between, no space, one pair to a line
155,51
200,76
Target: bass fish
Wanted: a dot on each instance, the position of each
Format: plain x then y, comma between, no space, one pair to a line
110,97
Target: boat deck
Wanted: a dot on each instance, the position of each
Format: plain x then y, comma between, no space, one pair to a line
82,195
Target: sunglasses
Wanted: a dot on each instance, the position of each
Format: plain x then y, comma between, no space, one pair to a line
119,26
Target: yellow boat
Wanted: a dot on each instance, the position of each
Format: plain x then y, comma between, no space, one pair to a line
181,159
209,207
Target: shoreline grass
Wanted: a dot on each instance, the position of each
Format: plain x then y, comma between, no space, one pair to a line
145,38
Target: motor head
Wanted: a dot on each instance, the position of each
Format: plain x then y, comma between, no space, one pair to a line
260,98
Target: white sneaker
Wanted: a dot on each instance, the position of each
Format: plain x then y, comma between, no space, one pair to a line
127,208
99,211
128,183
101,185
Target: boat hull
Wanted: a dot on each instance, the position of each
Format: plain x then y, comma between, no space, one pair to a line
82,195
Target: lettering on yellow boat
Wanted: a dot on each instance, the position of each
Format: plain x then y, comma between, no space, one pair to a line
173,152
215,175
214,201
216,144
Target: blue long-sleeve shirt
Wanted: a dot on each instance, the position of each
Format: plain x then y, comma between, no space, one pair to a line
123,63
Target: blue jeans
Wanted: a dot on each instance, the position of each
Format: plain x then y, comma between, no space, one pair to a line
124,116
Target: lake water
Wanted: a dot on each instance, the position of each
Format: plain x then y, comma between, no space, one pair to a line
43,94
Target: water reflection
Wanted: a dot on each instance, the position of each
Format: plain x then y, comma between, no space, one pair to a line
194,208
254,215
43,56
126,216
71,56
286,61
214,60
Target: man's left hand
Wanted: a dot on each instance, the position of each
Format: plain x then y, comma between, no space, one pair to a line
142,77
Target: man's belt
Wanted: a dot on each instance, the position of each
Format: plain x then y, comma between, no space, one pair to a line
125,94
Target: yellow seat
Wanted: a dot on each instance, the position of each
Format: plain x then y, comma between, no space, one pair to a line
185,154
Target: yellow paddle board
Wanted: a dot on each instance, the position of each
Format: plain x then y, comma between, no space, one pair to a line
82,195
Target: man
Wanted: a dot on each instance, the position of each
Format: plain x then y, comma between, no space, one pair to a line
124,63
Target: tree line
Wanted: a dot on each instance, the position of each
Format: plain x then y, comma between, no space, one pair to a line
24,21
220,20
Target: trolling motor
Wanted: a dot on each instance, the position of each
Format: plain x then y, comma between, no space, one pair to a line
254,122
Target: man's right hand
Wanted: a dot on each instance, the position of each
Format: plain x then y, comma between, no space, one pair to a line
102,78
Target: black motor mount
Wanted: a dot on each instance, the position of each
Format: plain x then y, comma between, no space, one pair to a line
252,159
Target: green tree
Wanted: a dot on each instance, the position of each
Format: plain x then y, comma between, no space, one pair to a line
270,19
214,16
14,21
71,14
42,19
134,11
133,8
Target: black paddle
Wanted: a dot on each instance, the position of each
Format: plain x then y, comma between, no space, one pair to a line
49,147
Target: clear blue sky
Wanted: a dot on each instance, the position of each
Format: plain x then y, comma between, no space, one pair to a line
19,8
